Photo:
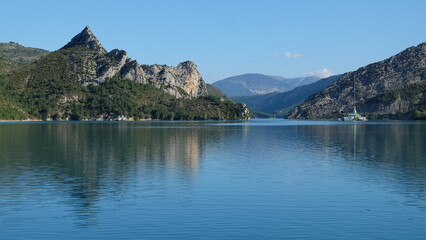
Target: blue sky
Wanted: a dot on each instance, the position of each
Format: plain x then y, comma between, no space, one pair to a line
225,38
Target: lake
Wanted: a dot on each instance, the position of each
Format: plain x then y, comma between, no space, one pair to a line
261,179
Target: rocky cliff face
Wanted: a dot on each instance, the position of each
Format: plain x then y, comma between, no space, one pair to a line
395,86
183,80
245,113
92,64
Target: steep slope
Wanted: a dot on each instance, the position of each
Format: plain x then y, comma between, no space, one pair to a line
212,90
10,109
392,88
84,81
281,103
12,57
7,65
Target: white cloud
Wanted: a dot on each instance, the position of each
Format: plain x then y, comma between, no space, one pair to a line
294,55
320,73
289,55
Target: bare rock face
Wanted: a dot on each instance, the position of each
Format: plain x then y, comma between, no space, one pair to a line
110,69
395,86
94,64
181,81
245,112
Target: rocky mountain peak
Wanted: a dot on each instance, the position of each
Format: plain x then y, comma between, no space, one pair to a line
87,39
183,80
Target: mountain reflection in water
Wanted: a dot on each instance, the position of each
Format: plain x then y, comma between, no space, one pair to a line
259,179
81,160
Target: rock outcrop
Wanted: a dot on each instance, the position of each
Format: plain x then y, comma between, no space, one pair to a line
392,87
245,113
86,39
86,52
184,80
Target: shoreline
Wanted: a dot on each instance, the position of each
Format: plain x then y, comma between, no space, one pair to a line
164,120
26,120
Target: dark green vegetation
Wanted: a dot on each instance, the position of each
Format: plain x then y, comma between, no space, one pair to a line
119,97
257,114
49,89
255,84
411,93
9,108
212,90
280,103
7,65
420,115
58,100
414,94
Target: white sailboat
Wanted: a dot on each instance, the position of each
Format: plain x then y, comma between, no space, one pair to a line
354,116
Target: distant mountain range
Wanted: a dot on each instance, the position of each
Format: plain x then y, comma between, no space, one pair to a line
255,84
280,103
394,88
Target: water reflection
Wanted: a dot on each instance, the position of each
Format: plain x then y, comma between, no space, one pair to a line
389,152
83,160
226,177
397,143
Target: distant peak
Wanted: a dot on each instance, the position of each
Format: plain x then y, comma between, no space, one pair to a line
87,39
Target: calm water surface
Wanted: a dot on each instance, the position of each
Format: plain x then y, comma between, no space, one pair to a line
263,179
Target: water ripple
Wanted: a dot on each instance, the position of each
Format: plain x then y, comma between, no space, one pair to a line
263,179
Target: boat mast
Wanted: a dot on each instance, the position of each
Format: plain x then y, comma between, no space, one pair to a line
354,97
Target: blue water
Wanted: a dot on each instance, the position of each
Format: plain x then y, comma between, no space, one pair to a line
262,179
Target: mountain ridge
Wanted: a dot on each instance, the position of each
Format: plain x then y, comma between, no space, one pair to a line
282,102
255,84
14,55
392,88
17,53
184,80
81,81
